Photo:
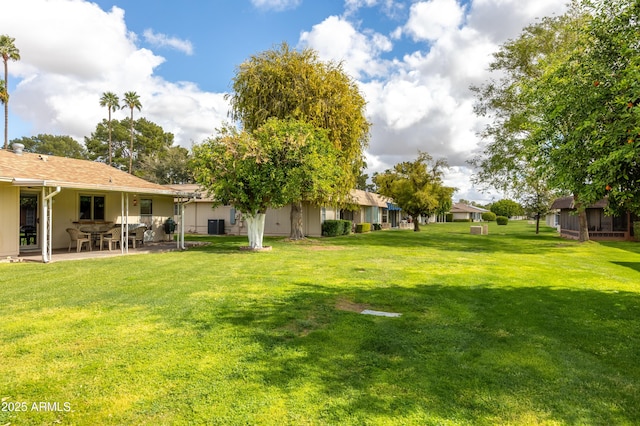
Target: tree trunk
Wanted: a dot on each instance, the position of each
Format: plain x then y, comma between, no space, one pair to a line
109,134
6,107
416,225
131,146
255,229
296,221
583,226
537,223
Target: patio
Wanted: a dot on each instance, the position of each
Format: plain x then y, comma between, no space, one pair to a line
60,255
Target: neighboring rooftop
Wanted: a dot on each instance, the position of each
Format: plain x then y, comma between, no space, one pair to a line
28,169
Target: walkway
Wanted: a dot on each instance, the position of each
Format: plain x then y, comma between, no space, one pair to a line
63,254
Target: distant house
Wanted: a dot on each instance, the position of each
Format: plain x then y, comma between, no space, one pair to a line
200,217
462,211
371,208
601,226
41,196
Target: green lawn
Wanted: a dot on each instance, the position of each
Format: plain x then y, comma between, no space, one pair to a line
510,328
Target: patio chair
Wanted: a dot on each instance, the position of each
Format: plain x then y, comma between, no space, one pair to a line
79,238
137,235
112,237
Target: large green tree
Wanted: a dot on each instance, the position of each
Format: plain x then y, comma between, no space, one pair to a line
417,187
567,104
266,168
285,83
150,139
62,146
131,100
166,166
506,208
8,51
527,142
112,102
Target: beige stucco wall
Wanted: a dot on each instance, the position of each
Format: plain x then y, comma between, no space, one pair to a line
277,221
65,215
9,220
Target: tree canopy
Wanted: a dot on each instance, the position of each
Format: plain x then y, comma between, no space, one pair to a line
285,83
417,187
62,146
267,168
565,109
506,208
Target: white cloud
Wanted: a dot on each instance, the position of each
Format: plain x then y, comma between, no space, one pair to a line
388,7
277,5
432,19
424,102
337,39
162,40
417,99
62,75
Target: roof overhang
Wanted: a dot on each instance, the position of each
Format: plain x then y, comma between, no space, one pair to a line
108,188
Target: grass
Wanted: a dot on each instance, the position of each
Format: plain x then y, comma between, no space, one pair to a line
510,328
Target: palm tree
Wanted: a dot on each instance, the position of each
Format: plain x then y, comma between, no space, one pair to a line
111,101
8,50
131,100
4,95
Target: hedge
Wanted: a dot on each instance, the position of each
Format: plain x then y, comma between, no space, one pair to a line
502,220
333,228
377,227
363,227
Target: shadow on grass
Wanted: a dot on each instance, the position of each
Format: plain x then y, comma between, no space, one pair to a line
632,265
455,240
470,355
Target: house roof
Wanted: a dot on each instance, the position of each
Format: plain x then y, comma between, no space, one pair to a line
29,169
364,198
359,197
569,203
466,208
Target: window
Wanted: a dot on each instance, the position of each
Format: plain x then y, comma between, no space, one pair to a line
146,207
323,213
91,207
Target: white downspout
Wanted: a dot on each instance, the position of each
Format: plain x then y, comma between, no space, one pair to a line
47,228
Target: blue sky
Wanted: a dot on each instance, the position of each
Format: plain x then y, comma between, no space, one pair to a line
413,60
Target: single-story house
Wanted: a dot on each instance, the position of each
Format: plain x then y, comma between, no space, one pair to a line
41,196
601,226
200,217
462,211
371,208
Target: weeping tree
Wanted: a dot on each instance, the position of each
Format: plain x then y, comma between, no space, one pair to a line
285,83
270,167
417,187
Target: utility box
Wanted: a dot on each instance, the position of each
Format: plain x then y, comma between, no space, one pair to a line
215,227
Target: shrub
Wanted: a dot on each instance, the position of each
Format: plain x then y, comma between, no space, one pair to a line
462,220
377,227
489,216
502,220
332,228
448,217
346,227
363,227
